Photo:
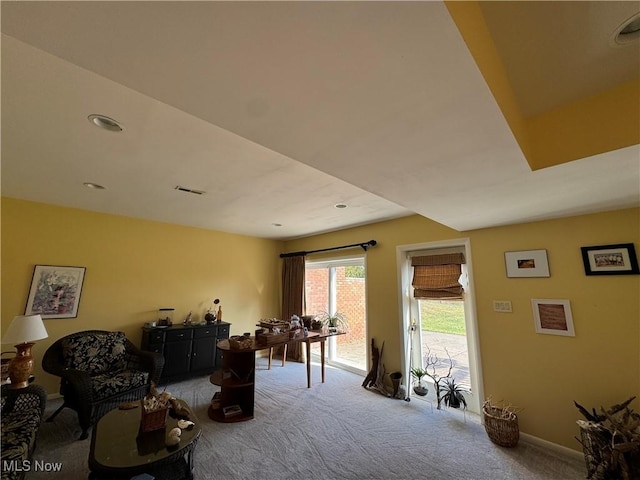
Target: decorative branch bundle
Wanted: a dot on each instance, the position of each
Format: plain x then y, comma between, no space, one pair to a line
432,362
610,441
500,410
375,378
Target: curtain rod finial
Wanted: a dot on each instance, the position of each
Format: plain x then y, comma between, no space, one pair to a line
370,243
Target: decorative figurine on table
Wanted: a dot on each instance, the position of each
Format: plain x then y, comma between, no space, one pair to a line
210,316
187,320
295,326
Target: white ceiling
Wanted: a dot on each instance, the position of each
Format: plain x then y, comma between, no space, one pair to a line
279,111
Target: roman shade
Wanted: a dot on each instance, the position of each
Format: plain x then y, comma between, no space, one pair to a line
437,276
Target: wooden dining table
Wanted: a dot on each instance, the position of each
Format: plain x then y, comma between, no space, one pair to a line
314,336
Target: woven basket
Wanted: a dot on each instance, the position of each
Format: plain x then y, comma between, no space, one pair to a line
501,431
154,420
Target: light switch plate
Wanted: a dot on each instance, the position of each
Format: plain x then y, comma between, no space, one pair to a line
502,306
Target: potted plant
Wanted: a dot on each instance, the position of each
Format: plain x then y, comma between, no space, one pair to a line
419,388
334,321
453,394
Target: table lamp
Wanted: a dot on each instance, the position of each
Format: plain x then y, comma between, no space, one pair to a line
23,331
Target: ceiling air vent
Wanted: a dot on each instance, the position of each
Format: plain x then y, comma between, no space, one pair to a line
189,190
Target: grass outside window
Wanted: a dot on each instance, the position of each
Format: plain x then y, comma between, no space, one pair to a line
443,316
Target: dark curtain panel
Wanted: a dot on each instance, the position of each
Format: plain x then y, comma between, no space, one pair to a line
293,298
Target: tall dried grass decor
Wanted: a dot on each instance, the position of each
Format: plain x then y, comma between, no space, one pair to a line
610,442
501,423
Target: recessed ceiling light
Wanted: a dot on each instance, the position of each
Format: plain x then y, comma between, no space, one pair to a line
340,205
631,27
628,32
105,122
95,186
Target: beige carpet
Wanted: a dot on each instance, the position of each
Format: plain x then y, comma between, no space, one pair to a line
335,430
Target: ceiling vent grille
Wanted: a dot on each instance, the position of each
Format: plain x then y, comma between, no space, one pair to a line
189,190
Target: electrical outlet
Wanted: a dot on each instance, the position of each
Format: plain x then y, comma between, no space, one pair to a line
502,306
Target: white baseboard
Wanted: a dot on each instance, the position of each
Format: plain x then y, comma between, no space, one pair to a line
524,437
559,449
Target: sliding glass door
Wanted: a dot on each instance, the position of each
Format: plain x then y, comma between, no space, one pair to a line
339,286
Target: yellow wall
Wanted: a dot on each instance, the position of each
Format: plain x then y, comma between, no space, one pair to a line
602,123
133,268
542,374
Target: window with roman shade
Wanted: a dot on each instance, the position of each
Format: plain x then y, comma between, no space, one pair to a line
437,276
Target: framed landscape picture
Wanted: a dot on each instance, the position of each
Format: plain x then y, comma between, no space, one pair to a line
553,316
55,291
527,263
617,259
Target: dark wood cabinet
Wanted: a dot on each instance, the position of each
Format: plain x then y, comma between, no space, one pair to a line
177,352
203,349
188,350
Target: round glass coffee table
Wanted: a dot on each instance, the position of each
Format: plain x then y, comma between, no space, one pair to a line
120,450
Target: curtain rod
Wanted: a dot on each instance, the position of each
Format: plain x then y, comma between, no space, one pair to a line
370,243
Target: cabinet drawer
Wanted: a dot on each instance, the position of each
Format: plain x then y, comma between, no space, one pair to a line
176,335
156,337
156,348
223,332
205,332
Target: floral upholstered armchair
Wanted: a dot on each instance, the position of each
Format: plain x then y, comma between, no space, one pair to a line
21,412
99,370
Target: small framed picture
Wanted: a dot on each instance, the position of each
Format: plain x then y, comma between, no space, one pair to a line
617,259
55,291
527,263
553,316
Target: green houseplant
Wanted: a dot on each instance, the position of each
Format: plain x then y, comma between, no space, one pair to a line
453,395
419,388
334,321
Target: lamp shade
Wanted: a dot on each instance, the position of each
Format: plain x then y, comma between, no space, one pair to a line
25,329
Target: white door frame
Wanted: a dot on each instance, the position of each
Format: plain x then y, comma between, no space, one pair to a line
404,302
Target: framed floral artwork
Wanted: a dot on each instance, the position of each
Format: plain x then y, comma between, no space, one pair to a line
55,291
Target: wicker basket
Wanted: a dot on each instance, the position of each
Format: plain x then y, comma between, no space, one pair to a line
154,420
501,430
